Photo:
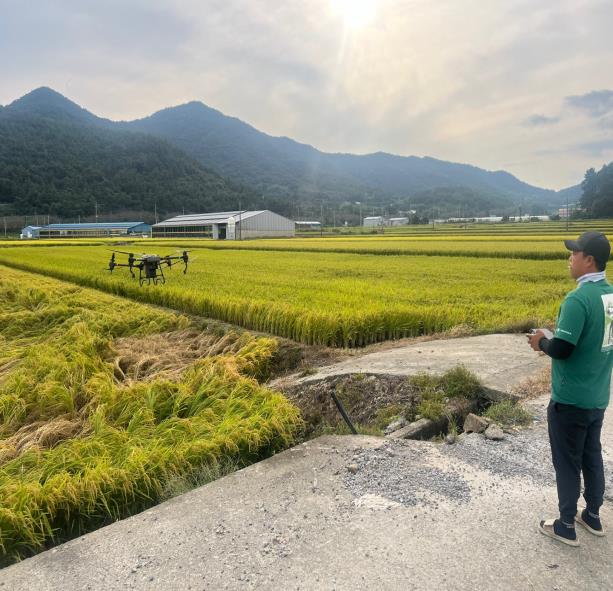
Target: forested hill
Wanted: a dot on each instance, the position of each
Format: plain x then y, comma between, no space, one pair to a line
60,159
241,152
57,158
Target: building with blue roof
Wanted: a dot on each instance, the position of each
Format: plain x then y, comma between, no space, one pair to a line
30,232
87,230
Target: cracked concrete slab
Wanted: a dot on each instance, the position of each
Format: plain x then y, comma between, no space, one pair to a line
501,361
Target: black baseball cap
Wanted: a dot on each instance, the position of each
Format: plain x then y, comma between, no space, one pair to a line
595,244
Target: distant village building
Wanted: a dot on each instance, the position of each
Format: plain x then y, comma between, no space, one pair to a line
226,225
378,221
29,232
375,221
87,230
494,219
566,212
490,219
308,226
527,218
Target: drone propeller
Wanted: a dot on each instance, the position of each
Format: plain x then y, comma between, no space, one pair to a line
171,260
177,254
120,251
130,254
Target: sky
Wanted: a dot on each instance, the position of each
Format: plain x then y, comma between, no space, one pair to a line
516,85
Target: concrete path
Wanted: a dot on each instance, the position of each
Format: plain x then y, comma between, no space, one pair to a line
405,515
500,360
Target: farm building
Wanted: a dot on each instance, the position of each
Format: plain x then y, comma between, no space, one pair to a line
308,225
87,230
374,221
29,232
227,225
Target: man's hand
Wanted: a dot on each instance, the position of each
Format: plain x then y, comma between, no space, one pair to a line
535,339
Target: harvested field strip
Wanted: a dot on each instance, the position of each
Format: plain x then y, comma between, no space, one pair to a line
332,299
79,445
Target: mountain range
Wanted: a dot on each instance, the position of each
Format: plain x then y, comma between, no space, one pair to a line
56,157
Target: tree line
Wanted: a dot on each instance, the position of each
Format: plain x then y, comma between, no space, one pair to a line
597,198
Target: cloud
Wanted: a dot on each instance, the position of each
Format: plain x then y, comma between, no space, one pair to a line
540,121
423,78
597,147
607,122
596,103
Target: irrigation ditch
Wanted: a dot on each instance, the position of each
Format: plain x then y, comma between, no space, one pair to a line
423,406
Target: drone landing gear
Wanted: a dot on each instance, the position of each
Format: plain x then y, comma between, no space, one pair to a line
152,273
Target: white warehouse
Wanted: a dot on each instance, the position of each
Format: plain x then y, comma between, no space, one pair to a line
374,221
226,225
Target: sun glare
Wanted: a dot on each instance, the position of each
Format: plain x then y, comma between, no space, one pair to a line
356,13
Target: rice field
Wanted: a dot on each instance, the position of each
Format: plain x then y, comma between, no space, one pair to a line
81,445
535,228
335,299
88,436
522,247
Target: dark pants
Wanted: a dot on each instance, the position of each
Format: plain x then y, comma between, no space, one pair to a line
574,435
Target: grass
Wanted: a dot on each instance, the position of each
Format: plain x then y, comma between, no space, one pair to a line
455,382
435,391
432,405
508,414
387,414
80,448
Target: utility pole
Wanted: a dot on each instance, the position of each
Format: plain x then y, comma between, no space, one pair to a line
155,211
96,214
321,218
240,226
360,204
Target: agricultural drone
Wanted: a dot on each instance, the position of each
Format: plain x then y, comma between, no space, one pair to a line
149,265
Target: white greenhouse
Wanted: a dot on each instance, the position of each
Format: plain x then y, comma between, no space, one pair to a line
226,225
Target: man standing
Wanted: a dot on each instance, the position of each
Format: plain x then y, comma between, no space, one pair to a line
582,356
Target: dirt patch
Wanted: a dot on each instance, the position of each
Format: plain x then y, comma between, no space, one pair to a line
370,400
535,386
373,401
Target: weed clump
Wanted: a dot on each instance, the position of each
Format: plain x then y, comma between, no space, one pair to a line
432,405
387,414
459,382
508,414
436,391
